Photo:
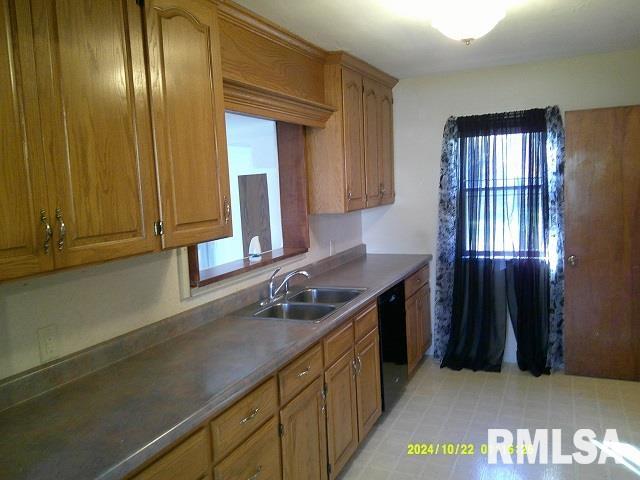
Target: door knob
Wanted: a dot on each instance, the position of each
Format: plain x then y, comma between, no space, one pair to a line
572,260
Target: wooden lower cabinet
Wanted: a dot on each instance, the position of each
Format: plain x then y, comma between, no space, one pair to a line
418,317
342,414
258,457
368,382
323,413
304,435
188,461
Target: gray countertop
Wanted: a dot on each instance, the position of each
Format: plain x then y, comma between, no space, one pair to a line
109,423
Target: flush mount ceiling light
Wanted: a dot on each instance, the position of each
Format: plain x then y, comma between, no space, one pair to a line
462,20
467,20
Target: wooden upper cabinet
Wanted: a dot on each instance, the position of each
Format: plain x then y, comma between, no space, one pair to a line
371,116
385,145
304,435
350,161
94,104
353,139
23,232
188,120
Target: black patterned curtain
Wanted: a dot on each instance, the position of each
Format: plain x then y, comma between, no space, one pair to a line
498,241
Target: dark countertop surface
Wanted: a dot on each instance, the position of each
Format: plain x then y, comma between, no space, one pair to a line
109,423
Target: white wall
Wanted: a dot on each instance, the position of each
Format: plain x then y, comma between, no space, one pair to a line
422,105
92,304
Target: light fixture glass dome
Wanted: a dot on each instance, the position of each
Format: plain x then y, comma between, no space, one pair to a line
467,20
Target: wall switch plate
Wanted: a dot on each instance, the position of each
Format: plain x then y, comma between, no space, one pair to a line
332,247
48,343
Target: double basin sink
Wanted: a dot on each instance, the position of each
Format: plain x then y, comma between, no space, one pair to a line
312,303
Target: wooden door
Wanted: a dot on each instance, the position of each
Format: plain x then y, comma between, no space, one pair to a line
385,145
602,223
92,87
188,120
368,382
304,435
371,115
411,319
353,139
24,209
342,414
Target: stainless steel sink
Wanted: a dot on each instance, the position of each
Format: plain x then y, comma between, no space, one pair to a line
327,295
295,311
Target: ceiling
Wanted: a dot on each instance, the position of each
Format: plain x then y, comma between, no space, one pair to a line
403,42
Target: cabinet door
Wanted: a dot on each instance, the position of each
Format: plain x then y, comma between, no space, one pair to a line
342,414
412,315
371,115
188,120
424,319
97,134
304,435
385,145
353,139
24,249
368,382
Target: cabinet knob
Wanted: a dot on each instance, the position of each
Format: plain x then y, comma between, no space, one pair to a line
572,260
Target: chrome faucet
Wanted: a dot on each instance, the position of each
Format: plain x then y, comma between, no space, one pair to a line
273,290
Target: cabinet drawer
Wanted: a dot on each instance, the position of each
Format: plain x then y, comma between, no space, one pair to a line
338,343
188,461
243,418
258,457
300,373
366,321
415,281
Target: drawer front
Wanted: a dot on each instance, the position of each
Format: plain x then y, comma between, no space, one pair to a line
366,321
413,283
300,373
243,418
337,343
188,461
257,458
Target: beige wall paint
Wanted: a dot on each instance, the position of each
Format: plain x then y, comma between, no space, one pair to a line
422,105
92,304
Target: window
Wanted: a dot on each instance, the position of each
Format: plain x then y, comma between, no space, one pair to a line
500,196
265,210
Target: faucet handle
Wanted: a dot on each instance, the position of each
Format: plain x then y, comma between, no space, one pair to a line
273,275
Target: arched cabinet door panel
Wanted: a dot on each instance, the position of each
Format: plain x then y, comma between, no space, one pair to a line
25,244
188,120
353,139
97,134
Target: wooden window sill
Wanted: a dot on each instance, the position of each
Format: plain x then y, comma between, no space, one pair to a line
228,270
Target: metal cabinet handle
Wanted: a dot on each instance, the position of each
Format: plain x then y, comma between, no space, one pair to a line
354,365
251,416
48,232
359,364
62,229
227,210
572,260
349,195
382,189
305,371
257,474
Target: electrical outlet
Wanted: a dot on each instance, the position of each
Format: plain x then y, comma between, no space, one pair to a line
48,342
332,247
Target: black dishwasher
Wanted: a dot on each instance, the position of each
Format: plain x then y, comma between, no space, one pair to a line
393,344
